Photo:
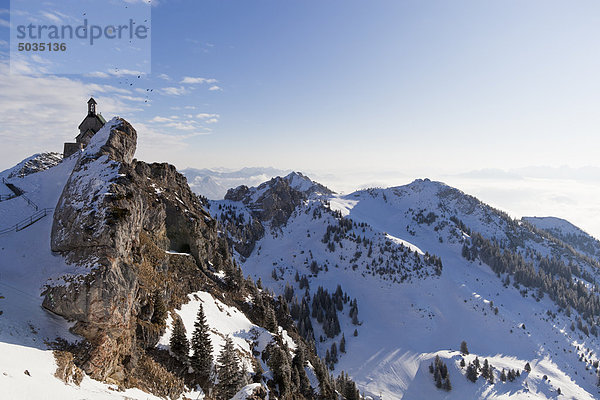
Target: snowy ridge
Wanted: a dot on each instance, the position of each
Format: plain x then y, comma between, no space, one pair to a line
35,163
568,233
407,313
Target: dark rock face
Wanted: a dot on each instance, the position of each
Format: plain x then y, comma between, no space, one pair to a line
117,219
273,201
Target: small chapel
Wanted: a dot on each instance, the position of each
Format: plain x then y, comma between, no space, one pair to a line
88,128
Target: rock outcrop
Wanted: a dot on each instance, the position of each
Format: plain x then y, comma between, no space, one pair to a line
135,229
273,202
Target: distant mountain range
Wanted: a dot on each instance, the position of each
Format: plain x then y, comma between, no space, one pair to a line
214,183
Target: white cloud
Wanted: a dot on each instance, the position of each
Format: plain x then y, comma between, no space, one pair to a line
198,80
174,91
125,72
131,98
52,17
4,23
3,43
183,126
215,87
108,89
161,119
97,74
205,116
212,121
114,73
164,77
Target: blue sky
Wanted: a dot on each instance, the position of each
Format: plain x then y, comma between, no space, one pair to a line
379,84
408,87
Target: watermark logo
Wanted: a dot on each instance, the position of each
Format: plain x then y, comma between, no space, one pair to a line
80,37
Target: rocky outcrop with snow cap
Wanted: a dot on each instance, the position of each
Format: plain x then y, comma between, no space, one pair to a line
275,200
144,245
117,218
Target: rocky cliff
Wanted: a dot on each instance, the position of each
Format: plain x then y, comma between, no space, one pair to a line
137,229
272,203
142,243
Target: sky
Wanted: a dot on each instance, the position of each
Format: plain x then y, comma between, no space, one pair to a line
379,91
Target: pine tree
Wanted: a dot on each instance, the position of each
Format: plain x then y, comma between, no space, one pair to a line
343,344
471,373
511,375
202,349
527,367
485,370
334,353
447,386
228,371
282,370
180,346
438,379
463,347
503,375
298,364
270,319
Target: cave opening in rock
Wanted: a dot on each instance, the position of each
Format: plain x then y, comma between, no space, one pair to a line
185,248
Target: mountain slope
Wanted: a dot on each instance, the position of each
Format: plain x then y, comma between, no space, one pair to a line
568,233
126,252
400,253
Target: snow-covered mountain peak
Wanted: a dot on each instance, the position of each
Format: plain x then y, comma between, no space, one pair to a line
422,194
35,163
304,184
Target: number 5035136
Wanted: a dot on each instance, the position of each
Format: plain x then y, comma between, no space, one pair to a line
50,46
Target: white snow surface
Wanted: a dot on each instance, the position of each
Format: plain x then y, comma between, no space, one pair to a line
403,325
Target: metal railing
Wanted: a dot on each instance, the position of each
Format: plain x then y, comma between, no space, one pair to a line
31,203
17,193
28,221
4,197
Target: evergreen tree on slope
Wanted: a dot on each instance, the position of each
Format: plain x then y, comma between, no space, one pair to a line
202,349
228,370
